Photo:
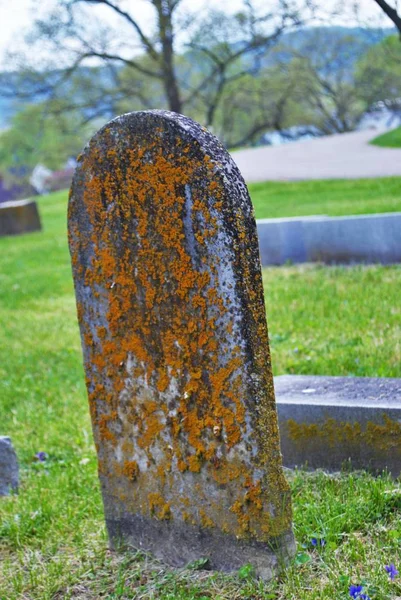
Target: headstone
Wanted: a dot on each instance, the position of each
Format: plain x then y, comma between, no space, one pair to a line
19,216
8,467
171,311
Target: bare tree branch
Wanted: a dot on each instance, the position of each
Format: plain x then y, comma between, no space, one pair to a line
118,58
391,13
144,38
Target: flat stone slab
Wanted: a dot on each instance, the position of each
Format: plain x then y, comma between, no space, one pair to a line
19,216
173,327
9,472
328,421
371,238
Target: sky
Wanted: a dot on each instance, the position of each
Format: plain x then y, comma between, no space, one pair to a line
16,16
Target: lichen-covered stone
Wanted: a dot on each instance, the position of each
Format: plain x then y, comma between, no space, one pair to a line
326,422
171,310
9,472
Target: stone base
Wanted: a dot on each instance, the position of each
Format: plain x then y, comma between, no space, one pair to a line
326,422
180,544
8,467
20,216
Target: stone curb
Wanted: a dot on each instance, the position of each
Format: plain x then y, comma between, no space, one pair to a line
354,239
20,216
9,471
326,422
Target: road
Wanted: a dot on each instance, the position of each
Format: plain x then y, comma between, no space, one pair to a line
340,156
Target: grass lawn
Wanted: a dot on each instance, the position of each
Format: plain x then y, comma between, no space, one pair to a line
335,197
53,546
391,139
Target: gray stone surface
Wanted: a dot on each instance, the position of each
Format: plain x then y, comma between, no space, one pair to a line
283,240
9,473
339,156
328,421
171,311
19,216
355,239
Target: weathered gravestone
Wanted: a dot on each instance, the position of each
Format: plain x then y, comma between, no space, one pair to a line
19,216
9,472
171,310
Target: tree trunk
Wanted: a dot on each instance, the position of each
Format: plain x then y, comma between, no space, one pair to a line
167,55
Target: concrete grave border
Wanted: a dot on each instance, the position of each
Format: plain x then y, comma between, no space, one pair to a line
371,238
19,216
327,421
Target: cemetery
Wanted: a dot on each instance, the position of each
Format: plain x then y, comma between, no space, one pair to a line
200,315
187,423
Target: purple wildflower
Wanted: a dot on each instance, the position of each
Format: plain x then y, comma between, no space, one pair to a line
316,542
391,570
355,591
41,456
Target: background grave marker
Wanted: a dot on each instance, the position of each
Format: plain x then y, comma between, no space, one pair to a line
9,470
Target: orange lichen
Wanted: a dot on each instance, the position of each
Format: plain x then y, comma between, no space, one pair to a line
206,521
385,437
131,469
104,431
224,471
194,463
159,507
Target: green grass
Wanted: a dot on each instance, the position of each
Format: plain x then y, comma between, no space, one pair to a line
391,139
335,320
335,197
53,545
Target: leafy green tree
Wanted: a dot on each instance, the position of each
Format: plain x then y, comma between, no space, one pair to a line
378,73
39,136
254,105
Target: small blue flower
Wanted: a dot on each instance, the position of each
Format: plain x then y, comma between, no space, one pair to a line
355,591
41,456
315,542
391,570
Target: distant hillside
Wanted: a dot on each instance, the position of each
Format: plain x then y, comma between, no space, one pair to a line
303,40
10,80
6,111
366,37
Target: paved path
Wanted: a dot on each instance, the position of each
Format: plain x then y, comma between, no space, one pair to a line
340,156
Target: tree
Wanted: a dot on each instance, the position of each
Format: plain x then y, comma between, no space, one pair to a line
229,49
378,74
37,136
253,105
189,59
324,67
